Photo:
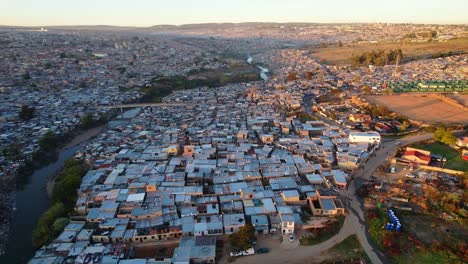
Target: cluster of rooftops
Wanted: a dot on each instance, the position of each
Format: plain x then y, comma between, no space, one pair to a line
202,168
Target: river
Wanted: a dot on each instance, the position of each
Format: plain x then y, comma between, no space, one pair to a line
32,200
263,71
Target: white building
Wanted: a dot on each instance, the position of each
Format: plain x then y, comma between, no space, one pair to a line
364,137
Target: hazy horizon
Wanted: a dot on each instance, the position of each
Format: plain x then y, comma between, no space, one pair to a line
146,13
227,22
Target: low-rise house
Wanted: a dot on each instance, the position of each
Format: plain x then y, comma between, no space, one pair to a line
287,223
260,223
339,177
359,118
290,195
196,250
233,222
462,142
325,205
418,156
371,137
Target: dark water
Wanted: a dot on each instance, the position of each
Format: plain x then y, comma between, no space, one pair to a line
31,202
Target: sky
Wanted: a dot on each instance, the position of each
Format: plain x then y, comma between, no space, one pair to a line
177,12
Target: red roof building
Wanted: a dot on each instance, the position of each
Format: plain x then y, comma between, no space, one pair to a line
417,156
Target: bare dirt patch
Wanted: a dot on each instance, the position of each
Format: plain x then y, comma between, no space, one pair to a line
461,98
427,108
411,51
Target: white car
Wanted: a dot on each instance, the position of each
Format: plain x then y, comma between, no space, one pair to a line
248,252
235,253
291,238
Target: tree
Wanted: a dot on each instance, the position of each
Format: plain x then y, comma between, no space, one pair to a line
366,89
404,126
340,44
27,76
48,142
88,121
449,138
244,238
443,135
439,133
43,232
12,152
292,76
26,112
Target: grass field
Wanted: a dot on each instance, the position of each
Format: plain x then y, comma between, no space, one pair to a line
454,159
411,51
427,108
323,234
348,250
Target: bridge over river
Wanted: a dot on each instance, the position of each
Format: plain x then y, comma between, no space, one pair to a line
136,105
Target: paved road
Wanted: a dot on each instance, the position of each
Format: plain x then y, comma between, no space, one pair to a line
355,204
354,222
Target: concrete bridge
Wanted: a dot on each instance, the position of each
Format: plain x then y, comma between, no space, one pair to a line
122,106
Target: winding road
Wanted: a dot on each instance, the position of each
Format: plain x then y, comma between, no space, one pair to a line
355,220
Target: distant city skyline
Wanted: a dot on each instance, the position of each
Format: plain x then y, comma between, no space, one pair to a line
142,13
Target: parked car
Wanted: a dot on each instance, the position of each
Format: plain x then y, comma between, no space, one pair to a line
235,253
263,250
291,238
248,252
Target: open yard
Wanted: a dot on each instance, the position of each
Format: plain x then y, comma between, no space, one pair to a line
454,159
427,108
341,55
347,251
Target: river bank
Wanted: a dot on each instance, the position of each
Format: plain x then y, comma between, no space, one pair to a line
25,202
263,71
85,136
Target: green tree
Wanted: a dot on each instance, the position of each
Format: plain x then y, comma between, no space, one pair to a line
244,238
27,76
439,133
442,134
449,138
88,121
366,89
43,232
59,224
12,152
48,142
404,126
